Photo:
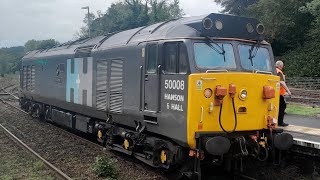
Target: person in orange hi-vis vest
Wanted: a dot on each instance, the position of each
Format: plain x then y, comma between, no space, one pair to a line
283,90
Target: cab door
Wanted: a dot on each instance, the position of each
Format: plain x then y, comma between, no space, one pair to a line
151,79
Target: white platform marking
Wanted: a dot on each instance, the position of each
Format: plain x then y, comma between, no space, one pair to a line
304,130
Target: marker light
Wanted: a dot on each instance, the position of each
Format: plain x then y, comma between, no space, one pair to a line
207,23
207,93
219,25
268,92
243,94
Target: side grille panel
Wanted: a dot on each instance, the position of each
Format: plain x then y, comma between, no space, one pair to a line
101,85
116,81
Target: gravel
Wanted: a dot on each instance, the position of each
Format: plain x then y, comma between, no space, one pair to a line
71,154
18,163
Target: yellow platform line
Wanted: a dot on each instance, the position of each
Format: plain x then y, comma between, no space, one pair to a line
304,130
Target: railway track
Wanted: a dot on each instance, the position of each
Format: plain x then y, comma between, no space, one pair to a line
241,176
53,125
77,136
6,94
131,163
57,171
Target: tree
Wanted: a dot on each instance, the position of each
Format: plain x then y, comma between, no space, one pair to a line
236,7
84,31
42,44
129,14
305,61
286,26
313,8
10,58
162,11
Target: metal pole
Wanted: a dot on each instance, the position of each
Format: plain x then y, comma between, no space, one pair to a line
89,30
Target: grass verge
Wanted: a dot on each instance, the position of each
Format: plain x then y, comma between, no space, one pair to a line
302,110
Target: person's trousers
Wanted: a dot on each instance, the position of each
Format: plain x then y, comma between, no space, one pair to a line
282,109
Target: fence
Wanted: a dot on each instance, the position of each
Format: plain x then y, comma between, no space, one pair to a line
311,83
304,89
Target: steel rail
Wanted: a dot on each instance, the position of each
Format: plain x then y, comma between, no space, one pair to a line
8,93
4,102
57,171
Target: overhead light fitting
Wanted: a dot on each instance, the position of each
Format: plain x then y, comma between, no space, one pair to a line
207,23
260,28
219,24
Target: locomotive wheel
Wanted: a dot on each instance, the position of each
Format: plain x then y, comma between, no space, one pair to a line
25,105
29,109
46,115
37,112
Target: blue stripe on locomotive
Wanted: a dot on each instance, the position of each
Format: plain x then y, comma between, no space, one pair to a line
72,81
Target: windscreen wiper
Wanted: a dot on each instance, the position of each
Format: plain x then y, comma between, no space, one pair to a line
222,51
255,48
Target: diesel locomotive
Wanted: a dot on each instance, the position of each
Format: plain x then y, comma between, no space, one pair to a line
183,93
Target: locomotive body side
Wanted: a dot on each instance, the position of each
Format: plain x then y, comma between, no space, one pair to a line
175,94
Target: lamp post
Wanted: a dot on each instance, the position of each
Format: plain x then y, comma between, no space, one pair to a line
89,31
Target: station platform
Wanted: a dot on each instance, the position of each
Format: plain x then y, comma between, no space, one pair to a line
304,129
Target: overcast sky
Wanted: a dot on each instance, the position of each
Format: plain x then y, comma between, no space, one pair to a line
22,20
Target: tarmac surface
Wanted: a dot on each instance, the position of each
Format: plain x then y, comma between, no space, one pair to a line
305,121
304,129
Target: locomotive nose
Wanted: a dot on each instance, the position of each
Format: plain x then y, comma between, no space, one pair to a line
217,145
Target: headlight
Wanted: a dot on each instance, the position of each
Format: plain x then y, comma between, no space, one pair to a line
243,94
207,93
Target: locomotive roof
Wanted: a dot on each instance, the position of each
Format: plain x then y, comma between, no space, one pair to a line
212,25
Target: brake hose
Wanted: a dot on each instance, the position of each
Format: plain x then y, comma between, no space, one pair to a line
235,118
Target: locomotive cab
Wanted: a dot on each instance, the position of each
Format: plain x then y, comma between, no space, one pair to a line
233,92
224,84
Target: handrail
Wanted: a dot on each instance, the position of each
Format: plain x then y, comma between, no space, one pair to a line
217,70
263,72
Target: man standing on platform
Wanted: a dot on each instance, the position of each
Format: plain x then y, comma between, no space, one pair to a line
283,89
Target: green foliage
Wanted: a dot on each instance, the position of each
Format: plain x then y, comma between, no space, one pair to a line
286,26
42,44
314,8
303,61
84,31
38,165
302,110
129,14
237,7
105,167
10,58
292,28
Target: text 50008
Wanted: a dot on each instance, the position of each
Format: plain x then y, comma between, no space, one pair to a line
174,84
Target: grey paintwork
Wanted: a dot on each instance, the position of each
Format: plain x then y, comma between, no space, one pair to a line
144,97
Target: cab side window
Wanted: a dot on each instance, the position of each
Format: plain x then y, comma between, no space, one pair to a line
175,58
183,59
152,58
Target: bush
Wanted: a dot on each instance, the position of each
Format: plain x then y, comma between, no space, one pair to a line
105,167
303,61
